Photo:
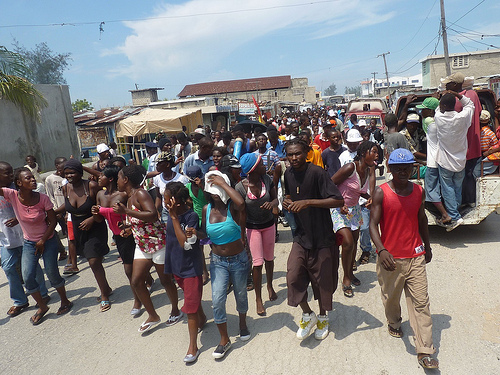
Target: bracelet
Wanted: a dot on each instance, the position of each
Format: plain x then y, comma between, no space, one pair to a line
379,251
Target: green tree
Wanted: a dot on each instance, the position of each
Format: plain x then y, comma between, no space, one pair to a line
331,90
356,90
17,89
81,105
44,65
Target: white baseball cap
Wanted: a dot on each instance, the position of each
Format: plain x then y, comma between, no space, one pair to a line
102,148
354,135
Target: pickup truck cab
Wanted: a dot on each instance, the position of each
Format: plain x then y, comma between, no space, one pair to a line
368,108
487,187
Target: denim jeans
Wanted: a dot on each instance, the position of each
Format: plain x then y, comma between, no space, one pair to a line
365,241
451,190
222,270
29,265
164,215
290,217
11,258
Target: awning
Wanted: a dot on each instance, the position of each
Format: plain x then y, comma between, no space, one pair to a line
152,120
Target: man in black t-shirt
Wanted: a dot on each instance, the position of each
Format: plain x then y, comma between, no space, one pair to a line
309,195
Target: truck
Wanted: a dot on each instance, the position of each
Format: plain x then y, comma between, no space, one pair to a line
367,109
487,186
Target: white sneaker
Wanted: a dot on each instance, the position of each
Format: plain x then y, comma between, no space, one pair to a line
322,327
307,325
454,224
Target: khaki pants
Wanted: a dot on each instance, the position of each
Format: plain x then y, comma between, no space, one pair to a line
411,276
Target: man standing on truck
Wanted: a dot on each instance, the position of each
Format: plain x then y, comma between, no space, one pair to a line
452,129
454,83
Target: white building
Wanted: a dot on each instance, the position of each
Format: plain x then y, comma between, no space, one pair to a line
379,86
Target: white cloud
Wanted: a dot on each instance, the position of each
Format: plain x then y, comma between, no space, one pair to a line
179,40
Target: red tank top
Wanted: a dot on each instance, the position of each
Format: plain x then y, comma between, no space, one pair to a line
399,223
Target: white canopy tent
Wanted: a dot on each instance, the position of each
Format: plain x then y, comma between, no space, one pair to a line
152,120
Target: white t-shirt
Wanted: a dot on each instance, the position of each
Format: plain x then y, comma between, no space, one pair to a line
9,237
452,129
432,146
160,183
347,157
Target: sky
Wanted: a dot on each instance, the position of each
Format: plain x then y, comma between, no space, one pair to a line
170,44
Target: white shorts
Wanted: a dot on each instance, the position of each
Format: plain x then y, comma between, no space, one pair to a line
157,257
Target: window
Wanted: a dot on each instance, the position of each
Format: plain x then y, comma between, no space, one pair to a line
414,81
424,68
460,62
403,83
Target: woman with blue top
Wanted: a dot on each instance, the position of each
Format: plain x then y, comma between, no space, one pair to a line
228,260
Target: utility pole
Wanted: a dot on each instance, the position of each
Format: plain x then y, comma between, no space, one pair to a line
387,76
445,40
374,82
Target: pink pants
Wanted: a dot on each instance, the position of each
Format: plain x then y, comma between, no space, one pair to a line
261,243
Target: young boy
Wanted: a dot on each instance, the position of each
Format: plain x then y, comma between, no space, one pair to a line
314,257
403,250
331,154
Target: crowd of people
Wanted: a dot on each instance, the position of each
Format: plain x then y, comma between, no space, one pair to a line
222,194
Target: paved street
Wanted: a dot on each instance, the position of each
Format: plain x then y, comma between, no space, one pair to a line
465,305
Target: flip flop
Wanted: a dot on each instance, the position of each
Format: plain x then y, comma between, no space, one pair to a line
105,306
428,362
65,309
347,289
16,310
39,316
145,327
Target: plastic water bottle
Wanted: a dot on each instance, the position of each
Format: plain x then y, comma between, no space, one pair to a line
237,147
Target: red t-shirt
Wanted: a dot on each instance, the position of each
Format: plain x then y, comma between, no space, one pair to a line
474,132
399,223
321,142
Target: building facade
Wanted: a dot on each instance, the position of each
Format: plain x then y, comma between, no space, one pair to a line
471,64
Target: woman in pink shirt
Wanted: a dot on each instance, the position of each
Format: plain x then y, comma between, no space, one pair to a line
35,214
353,180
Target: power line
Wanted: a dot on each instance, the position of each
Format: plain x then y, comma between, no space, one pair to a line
413,37
174,17
476,41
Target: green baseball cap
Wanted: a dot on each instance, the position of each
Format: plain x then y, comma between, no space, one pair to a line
429,103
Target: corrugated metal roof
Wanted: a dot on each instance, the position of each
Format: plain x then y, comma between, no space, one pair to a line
238,85
101,118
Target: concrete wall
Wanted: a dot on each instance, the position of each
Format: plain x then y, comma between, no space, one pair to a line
480,64
54,136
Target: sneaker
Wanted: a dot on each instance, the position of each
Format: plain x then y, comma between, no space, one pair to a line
454,224
322,327
221,350
307,325
244,334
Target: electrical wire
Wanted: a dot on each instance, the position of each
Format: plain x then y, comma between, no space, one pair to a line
476,41
175,17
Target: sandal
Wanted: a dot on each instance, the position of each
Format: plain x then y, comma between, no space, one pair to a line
347,289
364,258
65,309
38,318
398,333
16,310
428,362
105,306
173,319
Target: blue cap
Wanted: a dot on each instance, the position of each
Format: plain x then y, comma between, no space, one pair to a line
249,161
401,156
194,172
151,144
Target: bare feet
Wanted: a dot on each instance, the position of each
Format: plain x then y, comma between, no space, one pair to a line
260,307
272,294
